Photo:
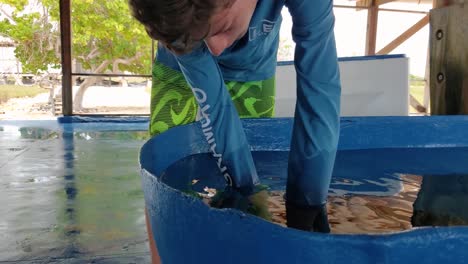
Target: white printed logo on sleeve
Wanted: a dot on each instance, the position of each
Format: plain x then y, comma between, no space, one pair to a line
207,128
263,29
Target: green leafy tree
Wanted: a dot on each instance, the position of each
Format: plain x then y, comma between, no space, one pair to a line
35,35
105,38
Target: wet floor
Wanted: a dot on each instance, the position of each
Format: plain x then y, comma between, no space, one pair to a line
71,197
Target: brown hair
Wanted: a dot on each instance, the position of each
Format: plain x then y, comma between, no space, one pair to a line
172,22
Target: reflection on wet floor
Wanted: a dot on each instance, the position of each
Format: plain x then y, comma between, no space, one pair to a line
71,197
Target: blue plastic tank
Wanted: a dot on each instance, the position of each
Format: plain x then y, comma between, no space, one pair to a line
186,230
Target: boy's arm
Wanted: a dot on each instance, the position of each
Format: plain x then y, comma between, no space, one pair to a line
220,122
316,122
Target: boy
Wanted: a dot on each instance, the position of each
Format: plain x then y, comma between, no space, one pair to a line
218,55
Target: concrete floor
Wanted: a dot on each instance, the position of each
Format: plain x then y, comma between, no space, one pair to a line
71,193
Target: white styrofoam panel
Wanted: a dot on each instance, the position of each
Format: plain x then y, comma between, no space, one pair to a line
371,86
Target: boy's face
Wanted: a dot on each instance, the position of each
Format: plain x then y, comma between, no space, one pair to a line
229,24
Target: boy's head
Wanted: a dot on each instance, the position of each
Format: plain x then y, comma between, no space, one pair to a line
181,25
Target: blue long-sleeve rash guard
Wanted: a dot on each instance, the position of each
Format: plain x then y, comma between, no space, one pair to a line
252,58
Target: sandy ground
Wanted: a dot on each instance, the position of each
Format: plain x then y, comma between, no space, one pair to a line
27,108
97,100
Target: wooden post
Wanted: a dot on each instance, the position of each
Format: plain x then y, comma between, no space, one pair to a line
65,36
372,22
449,60
427,73
449,96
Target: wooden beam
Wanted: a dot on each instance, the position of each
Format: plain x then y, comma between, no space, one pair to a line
382,2
417,105
449,60
405,36
65,37
363,3
442,3
372,22
368,3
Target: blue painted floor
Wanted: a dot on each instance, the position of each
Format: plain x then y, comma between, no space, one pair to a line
71,193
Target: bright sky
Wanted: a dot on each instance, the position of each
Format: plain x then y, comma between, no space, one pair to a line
350,32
